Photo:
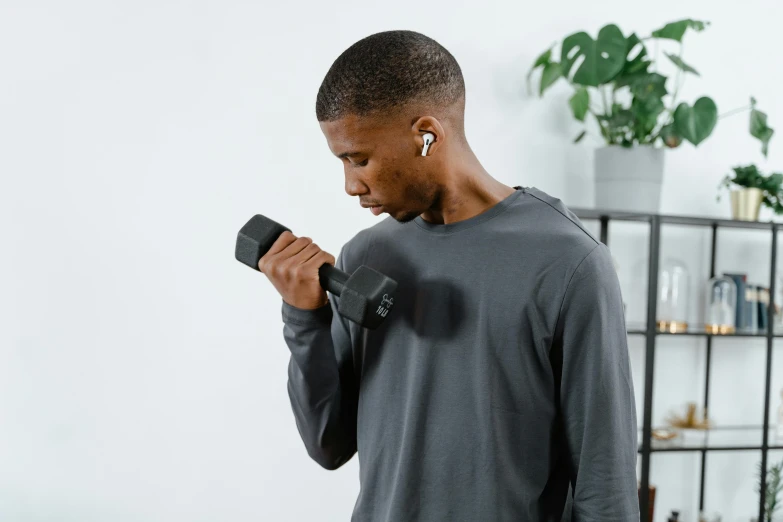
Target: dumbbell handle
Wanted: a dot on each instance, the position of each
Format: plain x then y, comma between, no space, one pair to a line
332,279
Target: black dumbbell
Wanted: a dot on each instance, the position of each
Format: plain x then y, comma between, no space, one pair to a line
366,296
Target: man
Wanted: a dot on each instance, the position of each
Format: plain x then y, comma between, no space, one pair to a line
501,376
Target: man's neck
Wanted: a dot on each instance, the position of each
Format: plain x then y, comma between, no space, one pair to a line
467,192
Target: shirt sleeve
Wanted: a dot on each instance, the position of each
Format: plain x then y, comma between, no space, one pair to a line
596,396
322,386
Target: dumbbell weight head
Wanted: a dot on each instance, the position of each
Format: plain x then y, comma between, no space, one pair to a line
366,296
256,238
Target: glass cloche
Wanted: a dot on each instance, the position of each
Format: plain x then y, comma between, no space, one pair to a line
674,284
721,303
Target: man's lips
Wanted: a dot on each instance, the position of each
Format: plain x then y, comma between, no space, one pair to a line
375,209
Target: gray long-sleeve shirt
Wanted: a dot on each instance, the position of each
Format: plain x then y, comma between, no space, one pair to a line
500,376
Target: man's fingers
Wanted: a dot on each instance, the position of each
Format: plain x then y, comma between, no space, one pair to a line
287,244
320,258
304,255
281,243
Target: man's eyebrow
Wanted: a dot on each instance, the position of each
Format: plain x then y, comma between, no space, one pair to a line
348,154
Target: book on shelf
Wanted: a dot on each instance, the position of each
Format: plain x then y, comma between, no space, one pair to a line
740,280
751,307
763,307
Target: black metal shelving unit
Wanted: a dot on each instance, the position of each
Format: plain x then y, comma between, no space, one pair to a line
651,333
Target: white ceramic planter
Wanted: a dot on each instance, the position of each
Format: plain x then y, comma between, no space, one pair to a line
628,179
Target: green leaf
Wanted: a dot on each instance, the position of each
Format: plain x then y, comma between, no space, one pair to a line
682,65
620,118
764,137
748,177
616,128
542,60
676,30
603,57
652,85
634,66
670,137
646,111
759,128
695,123
648,90
552,72
650,105
580,136
644,84
639,63
579,103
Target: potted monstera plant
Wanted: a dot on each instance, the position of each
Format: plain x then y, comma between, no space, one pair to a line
616,83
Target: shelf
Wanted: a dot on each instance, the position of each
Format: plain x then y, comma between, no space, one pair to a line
729,438
723,438
617,215
696,331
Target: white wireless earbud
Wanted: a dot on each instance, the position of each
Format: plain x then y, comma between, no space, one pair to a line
428,138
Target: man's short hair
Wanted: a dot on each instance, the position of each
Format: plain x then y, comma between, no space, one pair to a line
388,70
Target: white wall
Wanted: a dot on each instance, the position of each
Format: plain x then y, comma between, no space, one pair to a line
143,370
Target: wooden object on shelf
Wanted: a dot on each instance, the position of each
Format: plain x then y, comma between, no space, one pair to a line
690,420
651,496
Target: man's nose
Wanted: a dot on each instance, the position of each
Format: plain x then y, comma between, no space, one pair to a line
354,187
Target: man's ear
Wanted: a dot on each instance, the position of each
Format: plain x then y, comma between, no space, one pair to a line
428,125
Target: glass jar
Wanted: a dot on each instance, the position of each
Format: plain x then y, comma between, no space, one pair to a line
721,303
674,283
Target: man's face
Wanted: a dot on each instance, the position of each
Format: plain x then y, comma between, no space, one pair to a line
383,164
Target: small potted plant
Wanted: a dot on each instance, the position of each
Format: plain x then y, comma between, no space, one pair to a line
749,188
773,489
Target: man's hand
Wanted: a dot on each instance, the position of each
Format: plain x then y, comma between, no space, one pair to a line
292,266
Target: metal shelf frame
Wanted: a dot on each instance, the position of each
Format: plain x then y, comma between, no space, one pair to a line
651,334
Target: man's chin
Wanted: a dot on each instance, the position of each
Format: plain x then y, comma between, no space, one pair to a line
406,217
